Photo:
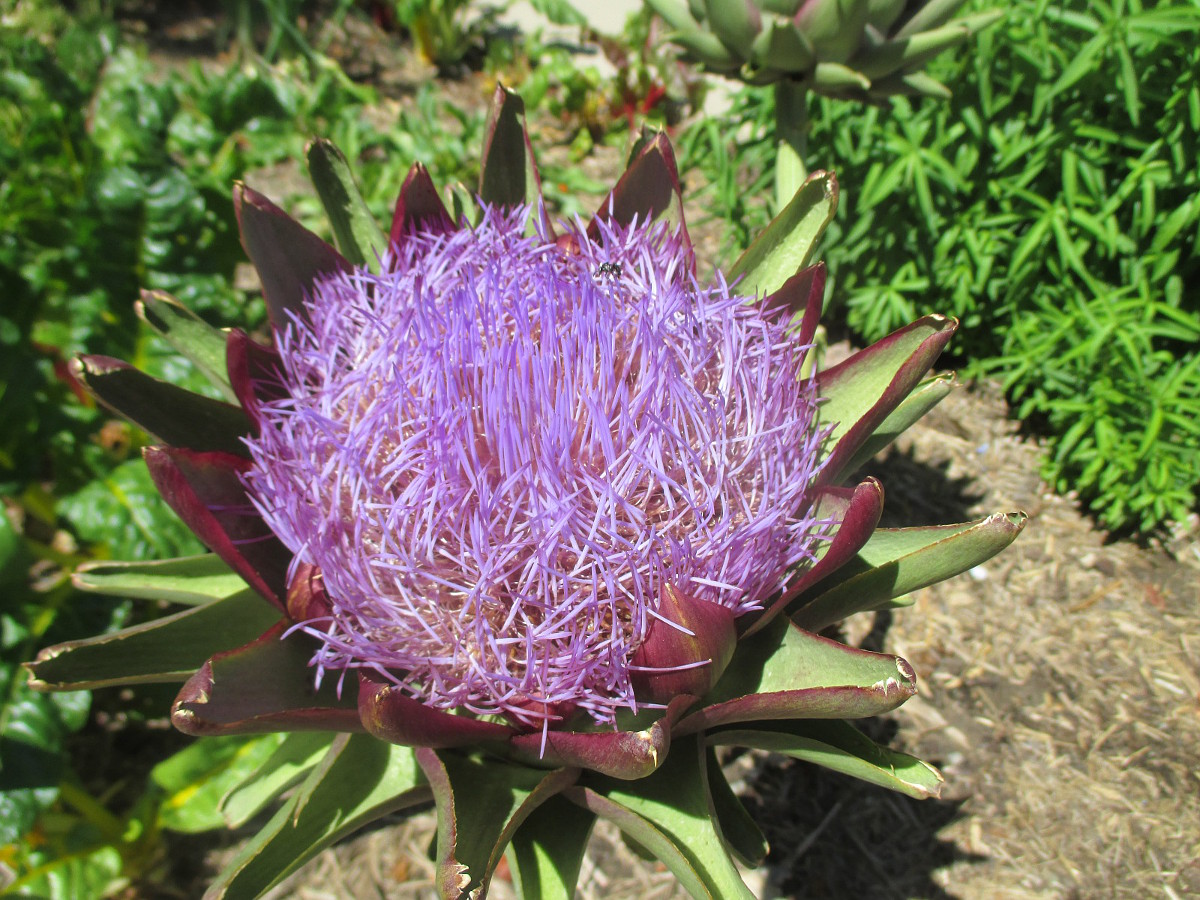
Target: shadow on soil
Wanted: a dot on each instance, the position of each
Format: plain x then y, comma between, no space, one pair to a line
833,837
917,492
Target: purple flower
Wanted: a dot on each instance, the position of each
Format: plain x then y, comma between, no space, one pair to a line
502,451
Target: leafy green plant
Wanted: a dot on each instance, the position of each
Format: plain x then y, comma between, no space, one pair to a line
1053,208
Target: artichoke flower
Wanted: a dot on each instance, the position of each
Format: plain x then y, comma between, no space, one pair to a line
524,520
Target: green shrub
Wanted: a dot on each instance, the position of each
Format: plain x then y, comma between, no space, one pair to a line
1052,205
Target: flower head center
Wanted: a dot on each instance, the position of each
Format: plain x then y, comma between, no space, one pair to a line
498,453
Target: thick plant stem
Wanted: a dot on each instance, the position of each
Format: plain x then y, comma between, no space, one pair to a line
791,139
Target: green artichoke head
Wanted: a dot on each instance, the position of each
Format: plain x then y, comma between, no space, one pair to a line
862,49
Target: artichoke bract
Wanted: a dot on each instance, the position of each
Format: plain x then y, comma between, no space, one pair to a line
522,518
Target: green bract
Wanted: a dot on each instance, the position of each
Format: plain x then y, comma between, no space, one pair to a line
361,749
840,48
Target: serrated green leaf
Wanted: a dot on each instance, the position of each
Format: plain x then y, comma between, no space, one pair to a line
839,746
897,561
167,649
787,245
360,780
197,777
190,580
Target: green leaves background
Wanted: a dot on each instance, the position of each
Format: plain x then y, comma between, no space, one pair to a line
1054,210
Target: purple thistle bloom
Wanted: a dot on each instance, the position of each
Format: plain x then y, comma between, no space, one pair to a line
500,453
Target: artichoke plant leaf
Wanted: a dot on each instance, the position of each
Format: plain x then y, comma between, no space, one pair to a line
928,16
851,514
206,492
648,190
172,414
198,341
928,394
674,12
836,744
670,815
262,686
787,245
738,828
360,780
296,756
419,209
288,257
861,392
736,23
509,175
785,672
621,753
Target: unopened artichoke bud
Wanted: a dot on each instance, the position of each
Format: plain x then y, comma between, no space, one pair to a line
864,49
